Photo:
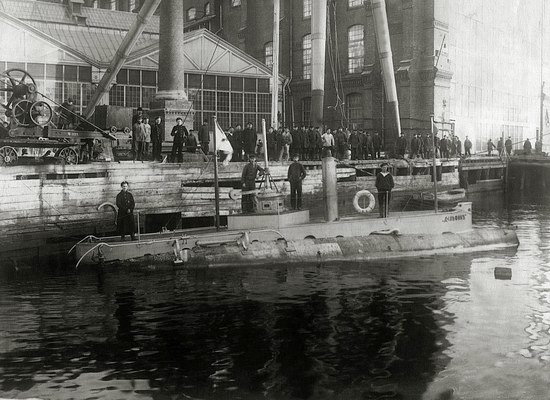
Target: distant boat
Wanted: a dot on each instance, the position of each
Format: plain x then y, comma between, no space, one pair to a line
447,197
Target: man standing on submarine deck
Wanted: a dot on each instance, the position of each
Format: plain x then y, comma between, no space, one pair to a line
384,185
248,181
125,217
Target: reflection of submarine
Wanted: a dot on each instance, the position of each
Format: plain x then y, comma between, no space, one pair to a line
273,237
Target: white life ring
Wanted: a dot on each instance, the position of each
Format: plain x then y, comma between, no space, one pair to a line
358,208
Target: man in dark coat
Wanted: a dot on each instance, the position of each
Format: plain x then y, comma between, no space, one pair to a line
271,144
508,145
467,147
204,137
180,133
527,146
125,216
401,146
249,140
305,144
384,185
296,174
238,143
157,133
341,143
297,141
355,143
248,182
415,146
444,147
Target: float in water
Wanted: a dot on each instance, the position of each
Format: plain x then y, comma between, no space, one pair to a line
274,236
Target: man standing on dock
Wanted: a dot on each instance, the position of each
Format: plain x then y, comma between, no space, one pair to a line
467,147
179,132
249,139
204,137
508,145
490,147
156,138
384,185
248,182
527,147
296,174
125,217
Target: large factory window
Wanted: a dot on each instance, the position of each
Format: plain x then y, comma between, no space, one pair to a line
356,49
306,57
307,9
223,101
116,95
237,102
133,96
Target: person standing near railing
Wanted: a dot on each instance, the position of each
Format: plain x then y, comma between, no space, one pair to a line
125,216
384,185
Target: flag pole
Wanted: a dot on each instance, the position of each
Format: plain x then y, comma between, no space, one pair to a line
433,161
216,188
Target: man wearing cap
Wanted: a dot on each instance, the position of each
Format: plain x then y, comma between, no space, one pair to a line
138,139
508,145
125,216
296,174
248,182
204,137
180,133
384,185
157,133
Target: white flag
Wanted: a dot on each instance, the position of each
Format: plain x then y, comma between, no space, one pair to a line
221,140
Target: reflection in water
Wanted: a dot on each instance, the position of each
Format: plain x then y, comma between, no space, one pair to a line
426,328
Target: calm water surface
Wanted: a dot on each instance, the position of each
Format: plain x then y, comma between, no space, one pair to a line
431,328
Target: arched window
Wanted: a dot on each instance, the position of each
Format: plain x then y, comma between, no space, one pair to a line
306,57
307,9
355,3
356,49
191,13
306,111
268,54
207,9
354,108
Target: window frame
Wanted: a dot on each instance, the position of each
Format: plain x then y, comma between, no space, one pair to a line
307,6
356,62
306,56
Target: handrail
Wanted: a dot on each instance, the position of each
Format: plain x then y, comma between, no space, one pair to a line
86,238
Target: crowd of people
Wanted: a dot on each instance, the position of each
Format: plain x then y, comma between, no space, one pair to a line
308,143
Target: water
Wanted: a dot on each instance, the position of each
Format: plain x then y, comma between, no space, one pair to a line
431,328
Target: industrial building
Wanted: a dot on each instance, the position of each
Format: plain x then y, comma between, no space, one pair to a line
477,66
66,48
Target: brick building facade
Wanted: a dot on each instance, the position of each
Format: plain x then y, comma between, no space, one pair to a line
478,64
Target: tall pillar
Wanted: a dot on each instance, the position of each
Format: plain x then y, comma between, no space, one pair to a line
275,71
318,43
171,58
171,100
